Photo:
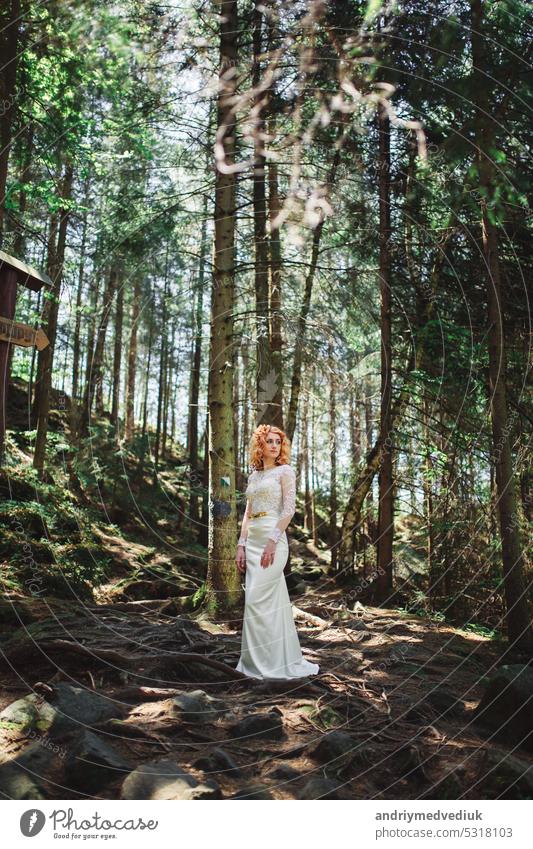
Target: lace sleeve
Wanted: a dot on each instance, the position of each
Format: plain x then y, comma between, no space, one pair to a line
246,517
245,522
288,488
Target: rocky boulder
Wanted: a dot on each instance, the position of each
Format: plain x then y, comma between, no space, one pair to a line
165,779
335,748
265,725
506,708
198,707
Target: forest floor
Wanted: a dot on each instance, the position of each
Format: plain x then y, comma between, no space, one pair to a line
146,703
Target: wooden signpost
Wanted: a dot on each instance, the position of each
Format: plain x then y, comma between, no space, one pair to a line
12,272
22,334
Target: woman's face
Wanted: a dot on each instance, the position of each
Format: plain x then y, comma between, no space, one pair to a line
273,445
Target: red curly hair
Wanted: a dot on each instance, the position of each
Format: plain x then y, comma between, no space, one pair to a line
258,446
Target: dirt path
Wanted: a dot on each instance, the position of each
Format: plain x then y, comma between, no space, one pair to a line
389,716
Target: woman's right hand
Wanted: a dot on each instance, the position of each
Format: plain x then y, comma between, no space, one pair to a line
240,560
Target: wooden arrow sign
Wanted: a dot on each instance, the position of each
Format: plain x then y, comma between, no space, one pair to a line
22,334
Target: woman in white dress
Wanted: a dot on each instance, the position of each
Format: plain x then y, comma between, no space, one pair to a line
270,646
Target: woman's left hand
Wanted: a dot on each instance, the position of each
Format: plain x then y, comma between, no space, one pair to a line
269,551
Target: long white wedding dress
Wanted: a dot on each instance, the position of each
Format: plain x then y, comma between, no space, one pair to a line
270,646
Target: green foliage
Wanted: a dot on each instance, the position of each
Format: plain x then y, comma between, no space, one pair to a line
47,539
420,606
481,630
199,597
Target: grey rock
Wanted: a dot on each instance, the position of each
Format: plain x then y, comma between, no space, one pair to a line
33,714
491,775
407,762
17,784
92,763
504,776
440,700
82,707
31,719
445,702
25,777
165,779
507,705
265,725
199,707
219,761
284,772
335,746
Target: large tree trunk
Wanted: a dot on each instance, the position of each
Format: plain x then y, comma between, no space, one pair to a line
147,381
355,429
76,343
266,380
132,360
203,534
223,591
235,401
306,302
306,467
20,234
34,352
174,402
169,376
9,37
9,300
369,425
144,406
194,394
51,262
117,357
312,465
247,389
518,615
333,533
46,356
94,376
428,501
163,355
19,228
276,338
352,514
93,298
386,495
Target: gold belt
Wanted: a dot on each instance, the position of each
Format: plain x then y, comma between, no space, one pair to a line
256,515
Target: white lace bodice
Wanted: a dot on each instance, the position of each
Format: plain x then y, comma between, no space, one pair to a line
273,490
